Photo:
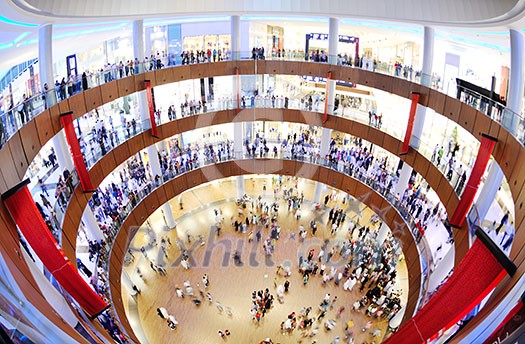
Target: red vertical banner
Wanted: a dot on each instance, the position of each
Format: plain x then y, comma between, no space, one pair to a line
151,108
356,48
327,95
473,279
24,212
467,198
74,146
410,124
238,89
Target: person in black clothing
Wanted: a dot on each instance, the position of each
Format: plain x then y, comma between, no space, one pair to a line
286,286
503,222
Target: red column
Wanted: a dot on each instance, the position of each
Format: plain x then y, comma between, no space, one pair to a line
78,158
473,279
327,95
467,198
356,48
151,108
410,124
24,212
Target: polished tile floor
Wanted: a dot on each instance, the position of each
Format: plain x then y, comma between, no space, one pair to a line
232,285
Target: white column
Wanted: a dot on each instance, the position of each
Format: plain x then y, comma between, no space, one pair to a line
419,123
45,61
138,39
333,40
238,142
240,186
514,103
426,77
404,177
326,136
62,151
154,162
156,170
428,56
92,225
127,282
168,215
381,236
318,191
515,92
235,22
138,51
488,192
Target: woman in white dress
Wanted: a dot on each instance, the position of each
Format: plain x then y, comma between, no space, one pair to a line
350,283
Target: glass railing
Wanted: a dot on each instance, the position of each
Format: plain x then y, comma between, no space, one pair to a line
64,192
19,114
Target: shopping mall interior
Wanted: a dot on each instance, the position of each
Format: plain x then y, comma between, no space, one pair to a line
280,172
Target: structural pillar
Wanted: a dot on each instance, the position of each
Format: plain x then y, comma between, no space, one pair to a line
156,170
426,80
515,92
404,178
318,191
45,62
235,22
333,40
326,137
138,41
91,224
514,103
238,143
62,151
333,43
428,56
240,186
381,236
138,51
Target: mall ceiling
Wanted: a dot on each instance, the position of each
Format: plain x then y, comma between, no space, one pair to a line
442,12
98,20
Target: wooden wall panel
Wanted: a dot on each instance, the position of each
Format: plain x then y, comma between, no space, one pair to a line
121,153
182,73
517,178
467,117
163,76
54,116
93,98
126,86
275,67
401,87
30,140
97,174
293,68
187,123
17,155
63,106
436,101
109,91
452,109
44,127
150,75
310,69
135,144
481,125
77,104
511,151
384,82
200,71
